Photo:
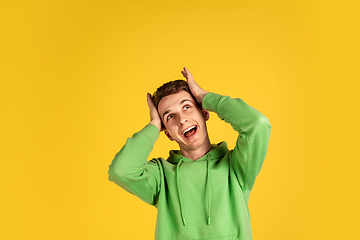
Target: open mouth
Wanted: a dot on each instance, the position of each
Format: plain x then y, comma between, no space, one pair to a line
190,131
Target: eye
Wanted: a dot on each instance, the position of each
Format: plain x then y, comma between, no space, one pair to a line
186,107
169,117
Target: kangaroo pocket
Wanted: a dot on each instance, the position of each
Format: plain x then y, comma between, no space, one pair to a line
231,237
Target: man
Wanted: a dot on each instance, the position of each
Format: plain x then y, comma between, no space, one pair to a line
202,190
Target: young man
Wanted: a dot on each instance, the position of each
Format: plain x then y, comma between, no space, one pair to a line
202,190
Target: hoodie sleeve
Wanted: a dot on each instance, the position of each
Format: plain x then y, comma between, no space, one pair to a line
254,134
131,170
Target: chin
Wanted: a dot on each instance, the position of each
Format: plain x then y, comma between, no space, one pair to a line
194,145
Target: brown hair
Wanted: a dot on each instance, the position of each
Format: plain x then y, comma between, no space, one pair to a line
169,88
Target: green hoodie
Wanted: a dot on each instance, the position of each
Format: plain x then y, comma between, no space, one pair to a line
203,199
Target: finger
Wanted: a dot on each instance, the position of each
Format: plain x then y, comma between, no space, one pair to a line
189,75
153,111
184,74
149,101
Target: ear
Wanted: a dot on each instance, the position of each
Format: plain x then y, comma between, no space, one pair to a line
206,114
168,135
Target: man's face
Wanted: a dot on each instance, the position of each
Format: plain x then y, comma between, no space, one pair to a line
183,120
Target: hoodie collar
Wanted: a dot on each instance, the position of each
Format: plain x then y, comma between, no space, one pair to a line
216,151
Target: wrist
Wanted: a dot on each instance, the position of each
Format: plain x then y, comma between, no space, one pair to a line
201,96
156,124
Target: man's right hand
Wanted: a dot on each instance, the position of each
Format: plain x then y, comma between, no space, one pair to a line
154,115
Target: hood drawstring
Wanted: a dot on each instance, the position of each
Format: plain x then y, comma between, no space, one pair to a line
208,190
179,192
207,203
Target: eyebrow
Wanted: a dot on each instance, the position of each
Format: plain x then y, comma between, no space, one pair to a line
181,102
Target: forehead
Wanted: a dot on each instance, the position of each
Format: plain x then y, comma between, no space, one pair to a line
173,100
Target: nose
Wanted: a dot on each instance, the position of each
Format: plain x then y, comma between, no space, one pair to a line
182,120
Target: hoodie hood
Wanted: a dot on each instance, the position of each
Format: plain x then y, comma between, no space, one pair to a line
217,151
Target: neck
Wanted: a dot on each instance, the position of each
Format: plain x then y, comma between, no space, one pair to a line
197,153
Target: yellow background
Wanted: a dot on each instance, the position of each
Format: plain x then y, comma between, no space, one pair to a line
74,77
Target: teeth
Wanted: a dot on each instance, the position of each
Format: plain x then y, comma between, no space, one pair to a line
188,129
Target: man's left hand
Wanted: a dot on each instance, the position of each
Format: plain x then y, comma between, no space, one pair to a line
196,90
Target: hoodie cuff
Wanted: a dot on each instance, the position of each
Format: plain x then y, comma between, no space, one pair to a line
210,101
151,131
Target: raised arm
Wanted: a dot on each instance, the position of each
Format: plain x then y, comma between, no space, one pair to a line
254,134
130,168
253,128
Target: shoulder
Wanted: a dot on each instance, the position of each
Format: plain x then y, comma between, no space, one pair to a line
160,162
156,161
